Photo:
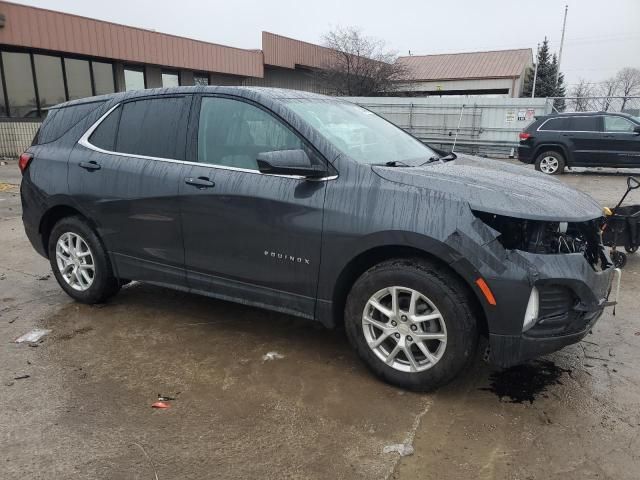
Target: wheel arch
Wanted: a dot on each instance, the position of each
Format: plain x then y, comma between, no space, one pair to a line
53,215
375,255
553,147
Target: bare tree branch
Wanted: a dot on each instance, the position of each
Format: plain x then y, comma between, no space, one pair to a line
358,65
629,79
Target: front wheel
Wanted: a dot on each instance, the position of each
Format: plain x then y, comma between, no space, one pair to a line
551,163
412,323
80,263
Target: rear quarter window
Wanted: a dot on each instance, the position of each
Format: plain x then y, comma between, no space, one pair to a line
557,124
60,120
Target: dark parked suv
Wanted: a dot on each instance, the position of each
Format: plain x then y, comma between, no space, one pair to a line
599,139
315,207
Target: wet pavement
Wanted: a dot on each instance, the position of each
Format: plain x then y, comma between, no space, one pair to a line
84,411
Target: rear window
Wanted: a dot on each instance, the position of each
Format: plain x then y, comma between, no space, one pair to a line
555,124
60,120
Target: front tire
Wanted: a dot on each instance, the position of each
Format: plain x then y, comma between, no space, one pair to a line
80,263
412,323
550,162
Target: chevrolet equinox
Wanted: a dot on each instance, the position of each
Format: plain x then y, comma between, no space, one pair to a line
315,207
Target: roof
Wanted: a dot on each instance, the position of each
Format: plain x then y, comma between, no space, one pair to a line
472,65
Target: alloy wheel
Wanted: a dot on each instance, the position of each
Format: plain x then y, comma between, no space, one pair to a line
75,261
404,329
549,165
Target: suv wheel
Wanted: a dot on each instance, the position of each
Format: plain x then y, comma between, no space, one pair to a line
411,323
80,263
551,163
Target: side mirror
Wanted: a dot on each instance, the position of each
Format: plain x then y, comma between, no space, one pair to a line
636,129
289,162
632,183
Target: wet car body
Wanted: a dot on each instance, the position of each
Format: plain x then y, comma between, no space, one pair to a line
296,245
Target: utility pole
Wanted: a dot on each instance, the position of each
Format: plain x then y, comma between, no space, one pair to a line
535,73
564,26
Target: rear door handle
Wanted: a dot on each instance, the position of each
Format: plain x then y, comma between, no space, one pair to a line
90,165
200,182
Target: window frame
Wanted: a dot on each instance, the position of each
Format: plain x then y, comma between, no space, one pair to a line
192,125
192,139
166,71
201,74
134,68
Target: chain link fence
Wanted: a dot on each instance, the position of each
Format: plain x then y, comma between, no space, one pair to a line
15,137
630,105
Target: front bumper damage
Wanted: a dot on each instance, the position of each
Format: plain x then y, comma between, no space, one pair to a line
572,294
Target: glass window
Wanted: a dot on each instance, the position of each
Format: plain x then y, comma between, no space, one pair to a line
133,79
103,77
200,79
50,80
19,82
60,120
104,136
3,107
233,133
154,127
584,124
618,124
170,79
78,78
558,124
361,134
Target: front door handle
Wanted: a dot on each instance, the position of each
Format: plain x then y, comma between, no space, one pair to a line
200,182
90,165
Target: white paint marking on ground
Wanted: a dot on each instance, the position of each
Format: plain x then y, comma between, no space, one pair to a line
272,356
32,336
408,441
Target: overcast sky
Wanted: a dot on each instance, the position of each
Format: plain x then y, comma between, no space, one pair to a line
602,36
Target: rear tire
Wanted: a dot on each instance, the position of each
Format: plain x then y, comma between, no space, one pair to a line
80,263
630,249
618,258
450,337
550,162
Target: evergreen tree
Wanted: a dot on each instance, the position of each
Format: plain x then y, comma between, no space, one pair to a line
546,85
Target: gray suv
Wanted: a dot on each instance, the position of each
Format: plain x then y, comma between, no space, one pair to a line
315,207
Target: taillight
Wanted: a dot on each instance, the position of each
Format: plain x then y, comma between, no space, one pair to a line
24,161
525,136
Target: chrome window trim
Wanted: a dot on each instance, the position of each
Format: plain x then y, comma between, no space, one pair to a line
84,141
584,131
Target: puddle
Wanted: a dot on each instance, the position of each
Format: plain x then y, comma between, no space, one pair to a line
525,383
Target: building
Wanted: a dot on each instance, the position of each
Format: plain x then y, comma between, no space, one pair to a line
499,73
48,57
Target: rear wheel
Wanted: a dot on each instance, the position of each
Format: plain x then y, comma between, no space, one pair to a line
631,249
551,163
619,259
412,323
80,263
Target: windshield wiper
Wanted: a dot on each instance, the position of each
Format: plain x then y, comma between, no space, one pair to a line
396,163
447,158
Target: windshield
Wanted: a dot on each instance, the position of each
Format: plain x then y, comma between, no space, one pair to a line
361,134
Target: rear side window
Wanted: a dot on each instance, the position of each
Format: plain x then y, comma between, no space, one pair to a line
153,127
559,124
104,136
60,120
584,124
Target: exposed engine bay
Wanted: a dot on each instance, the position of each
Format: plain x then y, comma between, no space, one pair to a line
544,237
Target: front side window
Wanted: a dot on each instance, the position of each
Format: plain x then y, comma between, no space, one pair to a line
134,79
361,134
232,133
153,127
618,124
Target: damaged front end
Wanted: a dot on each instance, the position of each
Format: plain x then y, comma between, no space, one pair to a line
553,283
544,237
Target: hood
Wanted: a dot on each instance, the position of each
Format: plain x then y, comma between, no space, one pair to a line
500,188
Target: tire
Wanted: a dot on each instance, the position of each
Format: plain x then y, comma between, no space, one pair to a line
550,162
97,283
630,249
438,290
618,258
